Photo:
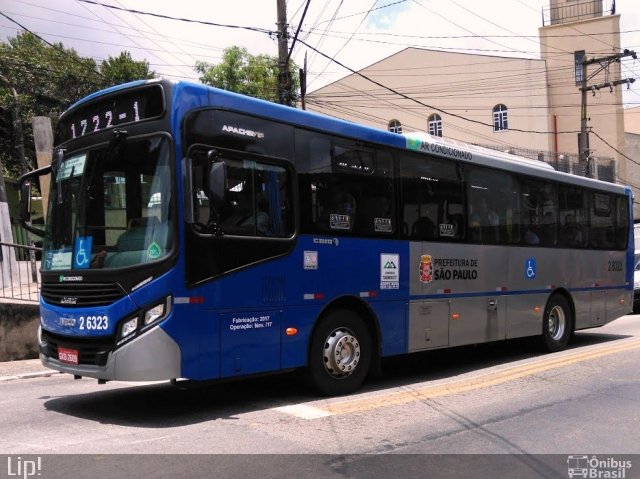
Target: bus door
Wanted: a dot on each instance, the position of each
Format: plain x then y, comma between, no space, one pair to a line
240,216
477,273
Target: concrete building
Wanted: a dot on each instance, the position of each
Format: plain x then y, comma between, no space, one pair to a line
632,150
530,107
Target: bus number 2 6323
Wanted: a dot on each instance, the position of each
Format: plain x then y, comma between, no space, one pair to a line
93,323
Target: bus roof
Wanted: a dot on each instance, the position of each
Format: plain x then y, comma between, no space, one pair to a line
410,141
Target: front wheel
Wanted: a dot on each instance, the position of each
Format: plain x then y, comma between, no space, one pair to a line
557,324
340,354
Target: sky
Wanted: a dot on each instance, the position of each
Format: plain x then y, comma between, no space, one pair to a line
357,33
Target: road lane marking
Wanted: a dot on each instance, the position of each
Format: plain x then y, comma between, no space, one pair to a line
304,411
456,386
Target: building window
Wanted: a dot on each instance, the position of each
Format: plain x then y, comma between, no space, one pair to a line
395,126
500,121
578,58
435,125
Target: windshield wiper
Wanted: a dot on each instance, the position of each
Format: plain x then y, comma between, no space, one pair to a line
119,136
58,173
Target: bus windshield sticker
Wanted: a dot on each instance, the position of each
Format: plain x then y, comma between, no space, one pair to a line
60,259
340,222
389,271
447,230
82,252
382,225
310,260
73,166
154,251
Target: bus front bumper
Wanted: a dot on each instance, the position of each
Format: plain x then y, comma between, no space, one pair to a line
153,356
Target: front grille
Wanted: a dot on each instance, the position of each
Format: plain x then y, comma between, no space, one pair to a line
76,295
93,351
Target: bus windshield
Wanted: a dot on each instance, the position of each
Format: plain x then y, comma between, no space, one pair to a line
110,207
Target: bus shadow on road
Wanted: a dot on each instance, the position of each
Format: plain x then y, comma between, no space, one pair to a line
163,405
450,362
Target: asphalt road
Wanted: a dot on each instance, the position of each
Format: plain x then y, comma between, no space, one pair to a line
512,408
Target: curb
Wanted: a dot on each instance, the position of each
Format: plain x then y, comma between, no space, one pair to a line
39,374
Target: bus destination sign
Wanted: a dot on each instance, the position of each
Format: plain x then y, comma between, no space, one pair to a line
128,107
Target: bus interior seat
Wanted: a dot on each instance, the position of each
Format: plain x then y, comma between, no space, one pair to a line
134,238
423,228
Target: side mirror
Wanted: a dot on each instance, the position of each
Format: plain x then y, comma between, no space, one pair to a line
25,202
217,181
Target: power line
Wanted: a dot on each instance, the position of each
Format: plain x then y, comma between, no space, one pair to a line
62,50
406,97
614,148
188,20
96,28
352,35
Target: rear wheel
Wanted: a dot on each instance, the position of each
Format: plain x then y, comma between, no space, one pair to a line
340,353
557,324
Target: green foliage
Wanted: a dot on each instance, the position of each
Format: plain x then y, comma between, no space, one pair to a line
124,69
241,72
48,79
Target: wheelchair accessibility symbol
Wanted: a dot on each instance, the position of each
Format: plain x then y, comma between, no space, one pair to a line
530,268
82,252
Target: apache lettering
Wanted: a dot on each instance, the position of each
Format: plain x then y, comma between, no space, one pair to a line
242,131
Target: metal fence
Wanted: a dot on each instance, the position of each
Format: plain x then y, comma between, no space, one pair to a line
601,168
567,12
19,275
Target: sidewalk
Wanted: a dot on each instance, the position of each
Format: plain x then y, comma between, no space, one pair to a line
25,369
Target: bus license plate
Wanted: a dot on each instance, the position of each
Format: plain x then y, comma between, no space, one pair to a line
68,355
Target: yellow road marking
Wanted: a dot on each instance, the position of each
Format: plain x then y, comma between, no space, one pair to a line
461,385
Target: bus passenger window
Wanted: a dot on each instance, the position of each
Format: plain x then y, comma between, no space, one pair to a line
256,199
574,215
602,233
539,213
571,232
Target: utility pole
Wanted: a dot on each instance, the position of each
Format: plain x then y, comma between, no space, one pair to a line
604,62
303,83
284,76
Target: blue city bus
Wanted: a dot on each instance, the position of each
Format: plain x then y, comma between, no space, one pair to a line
193,233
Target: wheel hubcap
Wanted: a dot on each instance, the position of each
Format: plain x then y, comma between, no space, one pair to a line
557,323
341,353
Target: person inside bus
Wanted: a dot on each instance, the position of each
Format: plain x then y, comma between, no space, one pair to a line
548,229
571,233
531,235
342,212
484,222
485,215
260,219
424,228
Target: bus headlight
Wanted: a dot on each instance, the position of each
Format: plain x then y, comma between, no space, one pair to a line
158,311
144,320
129,327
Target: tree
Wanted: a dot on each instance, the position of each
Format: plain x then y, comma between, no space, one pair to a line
241,72
49,79
123,69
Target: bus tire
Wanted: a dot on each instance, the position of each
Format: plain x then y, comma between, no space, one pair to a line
339,354
557,324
